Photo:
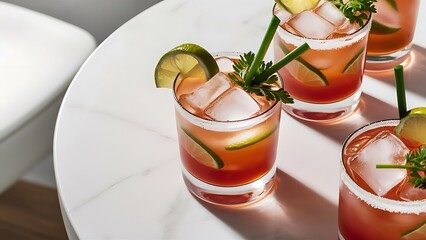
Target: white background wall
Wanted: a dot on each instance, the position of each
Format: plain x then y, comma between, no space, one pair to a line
99,17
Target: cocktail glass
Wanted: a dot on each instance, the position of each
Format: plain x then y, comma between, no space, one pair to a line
378,203
325,81
391,33
227,138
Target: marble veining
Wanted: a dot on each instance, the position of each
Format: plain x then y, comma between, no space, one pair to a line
116,155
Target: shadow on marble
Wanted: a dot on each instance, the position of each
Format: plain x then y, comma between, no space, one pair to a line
414,72
339,131
292,211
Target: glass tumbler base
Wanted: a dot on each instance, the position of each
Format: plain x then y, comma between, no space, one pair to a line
230,196
323,112
386,61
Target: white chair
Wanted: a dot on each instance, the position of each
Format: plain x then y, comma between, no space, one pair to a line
39,56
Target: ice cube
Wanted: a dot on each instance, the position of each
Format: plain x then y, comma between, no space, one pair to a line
311,25
409,193
347,28
356,145
206,93
235,104
225,64
384,148
283,15
183,100
331,13
290,29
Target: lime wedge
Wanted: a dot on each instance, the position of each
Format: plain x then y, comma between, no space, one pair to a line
248,138
413,126
418,110
385,20
200,152
186,60
354,65
416,234
297,6
304,72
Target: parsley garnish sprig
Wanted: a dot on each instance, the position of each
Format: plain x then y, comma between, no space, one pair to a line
256,76
416,163
356,10
264,88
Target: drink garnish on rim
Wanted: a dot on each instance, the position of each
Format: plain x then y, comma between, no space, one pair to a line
191,62
412,127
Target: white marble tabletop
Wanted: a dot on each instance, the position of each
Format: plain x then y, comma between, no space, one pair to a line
116,155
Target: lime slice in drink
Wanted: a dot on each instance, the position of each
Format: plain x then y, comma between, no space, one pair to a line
385,20
249,138
354,65
413,126
186,60
382,29
297,6
200,152
304,71
393,4
416,234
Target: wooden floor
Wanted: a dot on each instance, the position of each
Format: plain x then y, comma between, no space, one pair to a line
30,212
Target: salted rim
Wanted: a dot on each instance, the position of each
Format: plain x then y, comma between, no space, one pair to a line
324,44
412,207
234,125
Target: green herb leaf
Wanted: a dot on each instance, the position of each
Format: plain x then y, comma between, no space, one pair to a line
416,163
256,76
356,10
267,87
264,79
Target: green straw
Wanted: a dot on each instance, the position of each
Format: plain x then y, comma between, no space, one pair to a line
250,78
288,58
400,91
251,71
